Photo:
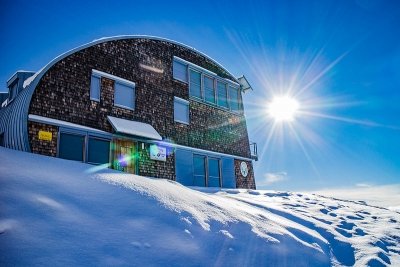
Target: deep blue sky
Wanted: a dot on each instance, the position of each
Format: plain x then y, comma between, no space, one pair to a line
346,54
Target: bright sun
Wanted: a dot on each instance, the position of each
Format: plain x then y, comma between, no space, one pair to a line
283,108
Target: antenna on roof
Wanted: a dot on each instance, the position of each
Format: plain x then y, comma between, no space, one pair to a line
244,83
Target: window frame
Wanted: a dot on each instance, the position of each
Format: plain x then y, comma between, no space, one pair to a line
204,76
185,102
226,95
238,101
219,170
201,83
206,73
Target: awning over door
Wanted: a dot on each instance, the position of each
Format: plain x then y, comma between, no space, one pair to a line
134,128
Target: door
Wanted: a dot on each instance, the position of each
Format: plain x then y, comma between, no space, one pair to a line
124,155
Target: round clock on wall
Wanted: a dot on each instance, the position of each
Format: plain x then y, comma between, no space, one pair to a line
243,169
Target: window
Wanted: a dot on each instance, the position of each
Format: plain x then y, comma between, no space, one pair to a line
95,88
124,95
195,84
181,110
222,95
234,98
207,86
71,146
199,170
180,71
209,89
98,150
213,173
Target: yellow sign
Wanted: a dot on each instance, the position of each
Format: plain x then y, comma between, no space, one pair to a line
47,136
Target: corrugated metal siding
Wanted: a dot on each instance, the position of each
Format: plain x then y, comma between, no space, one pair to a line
14,121
228,173
184,167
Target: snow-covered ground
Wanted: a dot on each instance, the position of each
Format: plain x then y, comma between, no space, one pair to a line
55,212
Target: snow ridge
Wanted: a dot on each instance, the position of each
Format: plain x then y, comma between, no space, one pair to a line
56,212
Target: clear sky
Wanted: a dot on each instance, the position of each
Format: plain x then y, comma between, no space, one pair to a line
340,59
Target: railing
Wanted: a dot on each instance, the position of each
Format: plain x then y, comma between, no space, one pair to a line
253,151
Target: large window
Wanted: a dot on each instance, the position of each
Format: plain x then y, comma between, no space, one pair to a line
181,110
95,88
71,146
234,98
209,89
98,150
222,95
180,71
199,170
214,175
124,95
195,84
207,86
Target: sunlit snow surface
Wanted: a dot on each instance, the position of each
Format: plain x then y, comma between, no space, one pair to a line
59,213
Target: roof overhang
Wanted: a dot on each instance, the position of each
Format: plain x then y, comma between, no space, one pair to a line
134,128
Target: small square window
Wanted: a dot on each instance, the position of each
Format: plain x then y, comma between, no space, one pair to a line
181,110
95,88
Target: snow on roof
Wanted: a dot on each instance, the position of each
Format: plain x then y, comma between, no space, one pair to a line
28,81
18,71
66,124
42,71
134,128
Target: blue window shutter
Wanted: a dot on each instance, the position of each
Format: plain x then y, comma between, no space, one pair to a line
95,88
71,146
228,173
184,167
124,95
180,71
98,151
181,110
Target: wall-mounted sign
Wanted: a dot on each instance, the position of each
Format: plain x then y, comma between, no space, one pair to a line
46,136
158,153
243,169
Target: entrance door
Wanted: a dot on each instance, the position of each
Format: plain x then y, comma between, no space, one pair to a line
124,155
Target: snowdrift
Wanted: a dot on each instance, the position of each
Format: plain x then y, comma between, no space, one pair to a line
55,212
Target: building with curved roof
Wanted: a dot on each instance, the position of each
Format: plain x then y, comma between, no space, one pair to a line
139,104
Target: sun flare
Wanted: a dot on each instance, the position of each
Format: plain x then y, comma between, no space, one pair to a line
283,108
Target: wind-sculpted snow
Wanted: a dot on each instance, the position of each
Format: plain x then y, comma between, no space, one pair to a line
55,212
